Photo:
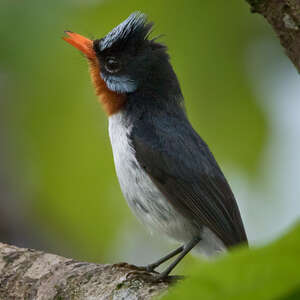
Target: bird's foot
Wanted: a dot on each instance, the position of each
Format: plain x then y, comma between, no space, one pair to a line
130,266
153,277
167,278
149,268
147,273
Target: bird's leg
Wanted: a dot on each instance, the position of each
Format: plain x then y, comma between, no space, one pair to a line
184,251
154,265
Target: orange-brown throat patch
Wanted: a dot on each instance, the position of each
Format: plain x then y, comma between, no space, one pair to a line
112,102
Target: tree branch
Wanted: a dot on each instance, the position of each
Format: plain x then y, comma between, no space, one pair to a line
31,274
284,16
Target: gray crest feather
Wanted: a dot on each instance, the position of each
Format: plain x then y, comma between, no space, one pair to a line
135,29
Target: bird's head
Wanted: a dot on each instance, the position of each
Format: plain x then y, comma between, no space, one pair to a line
123,61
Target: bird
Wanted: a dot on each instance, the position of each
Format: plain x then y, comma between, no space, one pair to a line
166,172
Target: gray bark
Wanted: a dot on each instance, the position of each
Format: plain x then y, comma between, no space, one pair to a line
284,17
32,274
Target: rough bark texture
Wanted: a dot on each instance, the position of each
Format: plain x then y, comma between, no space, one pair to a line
284,16
31,274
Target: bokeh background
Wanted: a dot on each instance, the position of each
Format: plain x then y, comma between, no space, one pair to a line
58,188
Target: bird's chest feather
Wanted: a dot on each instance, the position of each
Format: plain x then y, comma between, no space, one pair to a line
144,198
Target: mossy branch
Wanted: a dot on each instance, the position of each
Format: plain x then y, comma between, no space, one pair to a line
31,274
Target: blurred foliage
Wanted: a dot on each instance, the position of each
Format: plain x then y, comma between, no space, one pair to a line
266,273
58,134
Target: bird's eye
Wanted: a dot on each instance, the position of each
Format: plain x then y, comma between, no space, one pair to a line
112,65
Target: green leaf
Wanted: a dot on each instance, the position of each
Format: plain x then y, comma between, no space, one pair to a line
271,272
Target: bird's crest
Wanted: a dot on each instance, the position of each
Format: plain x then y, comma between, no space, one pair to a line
134,29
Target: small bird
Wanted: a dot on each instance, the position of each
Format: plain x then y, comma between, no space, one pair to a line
167,173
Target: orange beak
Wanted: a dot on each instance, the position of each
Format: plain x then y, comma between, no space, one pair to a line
80,42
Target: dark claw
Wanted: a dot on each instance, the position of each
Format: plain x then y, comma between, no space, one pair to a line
154,278
167,278
129,266
148,268
139,275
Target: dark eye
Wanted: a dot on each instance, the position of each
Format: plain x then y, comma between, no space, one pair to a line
112,65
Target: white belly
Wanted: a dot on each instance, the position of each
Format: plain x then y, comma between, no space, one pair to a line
143,197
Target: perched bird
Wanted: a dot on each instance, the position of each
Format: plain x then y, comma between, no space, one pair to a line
167,174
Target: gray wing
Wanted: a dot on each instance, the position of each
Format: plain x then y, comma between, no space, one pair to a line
180,164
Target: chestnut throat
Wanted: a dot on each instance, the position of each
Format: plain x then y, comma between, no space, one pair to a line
112,102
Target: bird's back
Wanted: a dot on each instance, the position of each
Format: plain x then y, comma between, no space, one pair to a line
182,167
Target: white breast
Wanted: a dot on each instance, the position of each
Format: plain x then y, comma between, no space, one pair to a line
143,197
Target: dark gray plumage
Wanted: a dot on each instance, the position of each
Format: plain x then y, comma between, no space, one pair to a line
182,167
